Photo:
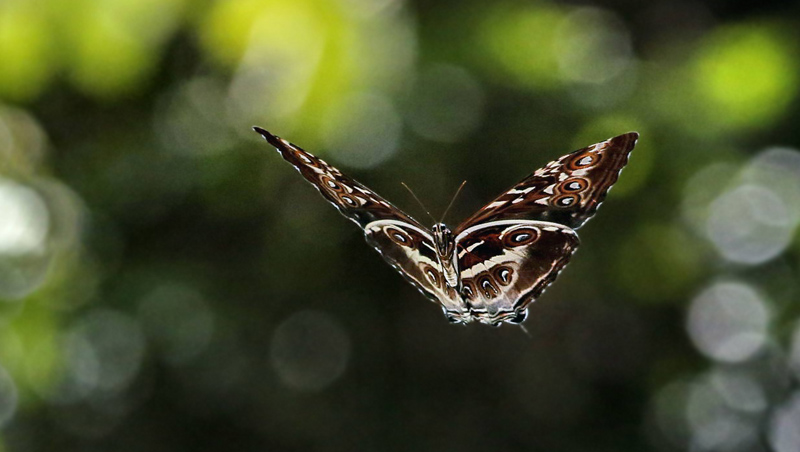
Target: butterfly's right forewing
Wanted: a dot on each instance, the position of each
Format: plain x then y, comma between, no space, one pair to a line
566,191
507,264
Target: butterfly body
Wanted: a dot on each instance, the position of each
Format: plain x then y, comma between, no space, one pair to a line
445,251
498,261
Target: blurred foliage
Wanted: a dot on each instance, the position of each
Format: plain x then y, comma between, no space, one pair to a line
168,283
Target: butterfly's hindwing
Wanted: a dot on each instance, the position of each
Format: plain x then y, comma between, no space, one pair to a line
410,250
353,199
566,191
504,265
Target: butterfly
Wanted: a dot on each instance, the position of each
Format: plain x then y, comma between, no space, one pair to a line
490,267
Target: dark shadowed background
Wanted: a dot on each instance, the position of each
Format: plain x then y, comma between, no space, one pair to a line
169,283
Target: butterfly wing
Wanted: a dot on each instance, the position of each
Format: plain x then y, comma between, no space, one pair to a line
566,191
505,265
401,240
508,252
410,250
354,200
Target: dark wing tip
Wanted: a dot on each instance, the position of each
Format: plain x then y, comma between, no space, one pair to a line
626,141
633,136
272,139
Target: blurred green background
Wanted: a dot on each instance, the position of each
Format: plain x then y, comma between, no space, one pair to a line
168,283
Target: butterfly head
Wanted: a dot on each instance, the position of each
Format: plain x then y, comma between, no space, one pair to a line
443,238
445,251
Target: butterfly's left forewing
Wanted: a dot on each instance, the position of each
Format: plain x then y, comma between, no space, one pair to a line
405,244
410,250
354,200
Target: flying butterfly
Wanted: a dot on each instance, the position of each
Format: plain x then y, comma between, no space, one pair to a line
499,260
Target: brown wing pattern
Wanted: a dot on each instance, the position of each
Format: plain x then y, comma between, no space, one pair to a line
566,191
507,253
410,250
354,200
507,264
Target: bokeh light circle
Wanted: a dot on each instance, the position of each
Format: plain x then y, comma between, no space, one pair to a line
778,168
750,224
714,426
745,75
362,130
593,46
668,411
739,390
179,320
24,222
104,351
310,350
728,322
784,434
447,104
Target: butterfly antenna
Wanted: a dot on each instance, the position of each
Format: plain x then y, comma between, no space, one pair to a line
420,202
453,200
